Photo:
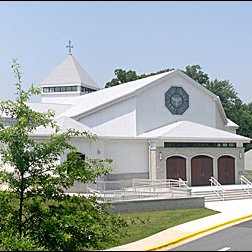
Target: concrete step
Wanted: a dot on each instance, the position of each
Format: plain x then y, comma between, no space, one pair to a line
232,194
227,197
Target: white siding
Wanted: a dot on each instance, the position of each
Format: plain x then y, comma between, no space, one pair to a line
128,156
58,98
115,120
219,120
248,160
152,112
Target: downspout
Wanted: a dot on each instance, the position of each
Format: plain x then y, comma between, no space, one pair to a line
150,170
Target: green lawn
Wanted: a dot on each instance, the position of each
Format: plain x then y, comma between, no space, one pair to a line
248,174
144,224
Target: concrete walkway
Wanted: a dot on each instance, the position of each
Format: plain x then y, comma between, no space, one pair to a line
231,212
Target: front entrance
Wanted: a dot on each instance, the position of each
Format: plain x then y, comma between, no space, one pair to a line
201,170
226,170
176,168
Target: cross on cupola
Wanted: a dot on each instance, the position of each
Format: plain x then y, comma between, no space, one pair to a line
69,46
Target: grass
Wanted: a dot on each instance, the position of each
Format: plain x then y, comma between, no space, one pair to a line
144,224
248,174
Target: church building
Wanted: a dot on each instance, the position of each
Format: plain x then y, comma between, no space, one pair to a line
159,127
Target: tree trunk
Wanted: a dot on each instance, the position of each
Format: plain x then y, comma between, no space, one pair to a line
21,199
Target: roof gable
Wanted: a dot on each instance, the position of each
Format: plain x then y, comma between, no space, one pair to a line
105,97
211,94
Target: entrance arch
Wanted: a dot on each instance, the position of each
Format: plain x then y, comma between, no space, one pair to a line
176,167
201,170
226,170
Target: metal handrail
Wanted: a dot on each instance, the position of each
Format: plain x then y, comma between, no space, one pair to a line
140,188
245,181
158,184
184,184
217,188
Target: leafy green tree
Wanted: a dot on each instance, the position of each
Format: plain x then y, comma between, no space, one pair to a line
228,96
240,114
197,74
249,107
123,76
35,211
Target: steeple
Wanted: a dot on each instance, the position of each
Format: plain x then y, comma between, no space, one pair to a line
68,79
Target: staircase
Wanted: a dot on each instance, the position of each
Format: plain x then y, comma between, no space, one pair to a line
229,194
218,192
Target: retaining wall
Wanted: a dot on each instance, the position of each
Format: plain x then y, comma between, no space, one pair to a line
157,204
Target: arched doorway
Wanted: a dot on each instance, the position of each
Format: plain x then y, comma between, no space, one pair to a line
201,170
176,167
226,170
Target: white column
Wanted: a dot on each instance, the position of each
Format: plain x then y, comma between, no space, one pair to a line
215,168
152,160
188,171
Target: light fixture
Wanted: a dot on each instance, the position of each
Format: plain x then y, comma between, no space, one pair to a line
160,155
240,155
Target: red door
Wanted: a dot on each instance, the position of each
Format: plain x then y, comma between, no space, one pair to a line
201,170
176,168
226,170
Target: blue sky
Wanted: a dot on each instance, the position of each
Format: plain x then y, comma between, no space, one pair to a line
141,36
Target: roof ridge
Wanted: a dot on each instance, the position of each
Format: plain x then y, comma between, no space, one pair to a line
75,66
79,69
111,94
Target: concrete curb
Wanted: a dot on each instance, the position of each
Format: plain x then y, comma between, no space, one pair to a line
182,238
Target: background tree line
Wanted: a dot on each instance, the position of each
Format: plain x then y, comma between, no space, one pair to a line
236,110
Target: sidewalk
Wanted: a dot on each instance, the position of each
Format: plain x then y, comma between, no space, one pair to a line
231,212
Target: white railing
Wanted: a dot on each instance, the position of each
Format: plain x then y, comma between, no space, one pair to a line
246,184
139,189
162,185
184,184
159,182
217,188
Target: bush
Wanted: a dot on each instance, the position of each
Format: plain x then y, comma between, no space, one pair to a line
72,223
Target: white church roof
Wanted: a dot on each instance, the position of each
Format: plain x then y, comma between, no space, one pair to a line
69,72
190,131
65,123
105,96
44,107
94,101
232,124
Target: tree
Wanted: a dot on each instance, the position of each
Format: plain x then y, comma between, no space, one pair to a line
197,74
228,96
35,212
249,107
123,76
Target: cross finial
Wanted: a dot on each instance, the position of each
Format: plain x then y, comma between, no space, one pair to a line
69,46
